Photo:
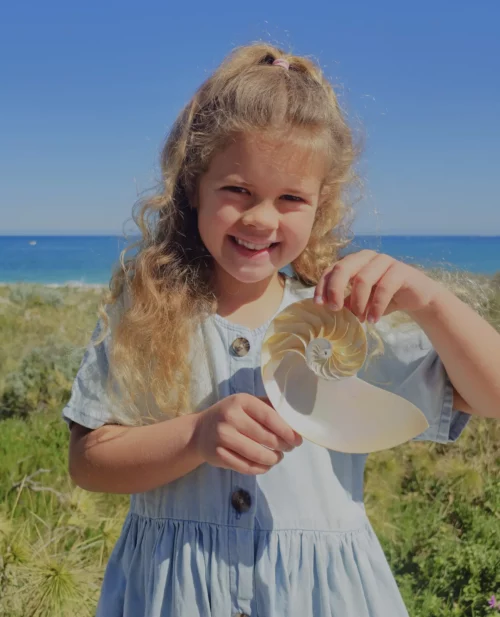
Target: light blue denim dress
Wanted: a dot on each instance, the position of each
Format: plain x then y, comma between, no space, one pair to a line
294,542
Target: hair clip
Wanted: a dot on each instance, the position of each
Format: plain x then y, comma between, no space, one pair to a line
282,62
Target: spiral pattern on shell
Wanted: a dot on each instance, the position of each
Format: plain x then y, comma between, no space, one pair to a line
333,344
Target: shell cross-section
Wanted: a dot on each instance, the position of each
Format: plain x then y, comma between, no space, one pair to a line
332,344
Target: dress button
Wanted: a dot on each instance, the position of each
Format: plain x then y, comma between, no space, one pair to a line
240,346
241,501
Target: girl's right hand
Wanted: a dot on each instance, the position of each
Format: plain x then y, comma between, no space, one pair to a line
243,433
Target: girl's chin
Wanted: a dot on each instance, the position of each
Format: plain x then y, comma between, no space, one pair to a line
247,275
255,276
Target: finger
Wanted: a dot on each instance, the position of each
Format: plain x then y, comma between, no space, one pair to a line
383,293
270,419
347,305
283,444
319,291
259,433
343,271
364,282
233,460
251,450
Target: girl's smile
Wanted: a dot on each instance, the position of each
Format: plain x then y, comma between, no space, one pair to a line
253,249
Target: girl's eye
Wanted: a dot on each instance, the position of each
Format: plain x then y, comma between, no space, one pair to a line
293,198
236,189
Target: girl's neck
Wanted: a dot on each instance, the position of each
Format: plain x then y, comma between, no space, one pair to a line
249,304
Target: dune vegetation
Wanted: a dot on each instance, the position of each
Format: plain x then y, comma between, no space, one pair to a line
435,508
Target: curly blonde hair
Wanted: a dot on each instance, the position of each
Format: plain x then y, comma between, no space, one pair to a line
161,293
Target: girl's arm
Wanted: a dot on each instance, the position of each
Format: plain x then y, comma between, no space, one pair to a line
469,348
467,345
241,432
123,459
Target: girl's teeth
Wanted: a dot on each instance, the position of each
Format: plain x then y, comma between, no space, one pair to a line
253,247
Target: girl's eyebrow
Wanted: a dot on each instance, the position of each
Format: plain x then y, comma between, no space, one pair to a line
297,191
234,178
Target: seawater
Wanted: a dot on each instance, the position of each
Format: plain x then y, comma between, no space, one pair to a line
88,260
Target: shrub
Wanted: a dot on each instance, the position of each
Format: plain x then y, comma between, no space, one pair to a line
43,380
31,296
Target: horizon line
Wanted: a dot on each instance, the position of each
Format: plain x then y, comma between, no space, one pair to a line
111,234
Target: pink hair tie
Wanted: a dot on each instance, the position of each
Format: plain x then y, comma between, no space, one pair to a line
282,62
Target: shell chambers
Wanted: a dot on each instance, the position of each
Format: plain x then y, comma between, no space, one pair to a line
333,344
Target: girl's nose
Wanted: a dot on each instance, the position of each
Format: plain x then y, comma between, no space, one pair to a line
261,215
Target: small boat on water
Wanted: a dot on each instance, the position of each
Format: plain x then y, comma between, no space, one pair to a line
33,242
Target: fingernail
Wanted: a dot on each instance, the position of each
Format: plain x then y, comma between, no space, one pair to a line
318,300
371,319
333,306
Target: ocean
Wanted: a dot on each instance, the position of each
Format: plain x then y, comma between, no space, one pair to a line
88,260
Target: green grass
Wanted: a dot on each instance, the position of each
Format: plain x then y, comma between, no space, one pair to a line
435,509
54,538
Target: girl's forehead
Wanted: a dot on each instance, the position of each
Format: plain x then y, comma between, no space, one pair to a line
259,154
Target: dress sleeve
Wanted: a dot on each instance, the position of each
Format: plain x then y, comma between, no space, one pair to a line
411,368
88,404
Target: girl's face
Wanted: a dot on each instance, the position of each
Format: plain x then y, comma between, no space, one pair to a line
256,205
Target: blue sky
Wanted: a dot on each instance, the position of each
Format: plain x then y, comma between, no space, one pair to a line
89,90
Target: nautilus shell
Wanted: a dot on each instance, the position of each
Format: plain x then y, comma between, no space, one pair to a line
310,358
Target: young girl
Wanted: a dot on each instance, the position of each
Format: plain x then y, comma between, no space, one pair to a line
231,514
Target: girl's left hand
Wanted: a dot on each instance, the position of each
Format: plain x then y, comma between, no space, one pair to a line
379,285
